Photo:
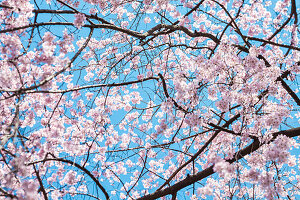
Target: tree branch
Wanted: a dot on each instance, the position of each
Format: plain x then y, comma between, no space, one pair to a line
79,167
199,151
40,182
209,171
167,94
83,87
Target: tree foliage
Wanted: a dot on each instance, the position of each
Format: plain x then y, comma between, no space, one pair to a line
123,99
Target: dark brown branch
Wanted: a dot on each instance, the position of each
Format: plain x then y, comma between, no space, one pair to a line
179,28
6,194
84,87
54,11
161,145
4,6
293,12
79,167
272,43
168,96
127,31
236,27
223,129
174,196
289,90
107,26
283,83
200,151
71,12
40,182
175,23
229,131
191,11
209,171
23,90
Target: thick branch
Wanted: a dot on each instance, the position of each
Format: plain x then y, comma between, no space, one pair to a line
179,28
209,171
6,194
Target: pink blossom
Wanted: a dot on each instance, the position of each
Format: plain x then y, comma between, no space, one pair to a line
149,92
79,20
70,178
147,20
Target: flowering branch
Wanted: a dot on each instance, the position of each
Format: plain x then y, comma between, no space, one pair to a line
256,144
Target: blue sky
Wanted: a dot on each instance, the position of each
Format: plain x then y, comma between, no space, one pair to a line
117,116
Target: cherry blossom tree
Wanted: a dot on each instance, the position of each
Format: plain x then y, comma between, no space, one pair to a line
123,99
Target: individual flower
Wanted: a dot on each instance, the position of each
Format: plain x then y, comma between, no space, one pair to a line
79,20
147,20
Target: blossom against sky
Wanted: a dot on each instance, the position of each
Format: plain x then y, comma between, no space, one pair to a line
148,99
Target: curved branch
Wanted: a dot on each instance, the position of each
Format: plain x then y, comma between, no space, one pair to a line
209,171
293,12
79,167
23,90
173,28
